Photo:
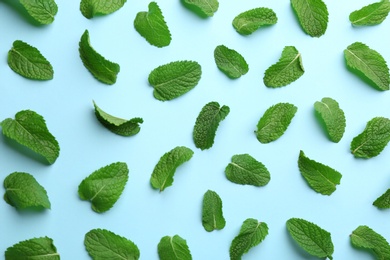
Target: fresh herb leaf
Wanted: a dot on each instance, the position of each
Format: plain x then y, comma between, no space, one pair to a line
250,21
313,239
312,15
212,215
365,237
28,62
373,139
383,202
162,176
288,69
369,64
252,233
29,129
230,62
103,70
104,244
35,248
42,11
91,8
372,14
152,26
275,122
205,8
173,248
333,117
118,125
104,186
207,123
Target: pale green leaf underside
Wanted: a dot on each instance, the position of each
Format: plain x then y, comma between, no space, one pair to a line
365,237
288,69
36,248
173,248
383,202
91,8
212,215
43,11
372,14
205,7
230,62
312,15
250,21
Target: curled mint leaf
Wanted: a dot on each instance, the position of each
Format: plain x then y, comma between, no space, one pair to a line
230,62
371,14
91,8
205,8
173,248
250,21
212,215
383,202
365,237
43,11
35,248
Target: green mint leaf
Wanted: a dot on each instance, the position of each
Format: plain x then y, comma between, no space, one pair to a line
288,69
35,248
275,122
28,62
104,244
246,170
173,248
117,125
313,239
230,62
23,191
43,11
174,79
29,129
212,215
332,116
207,123
152,26
103,70
312,15
365,237
252,233
104,186
205,8
368,64
162,175
372,14
383,202
320,177
91,8
373,139
250,21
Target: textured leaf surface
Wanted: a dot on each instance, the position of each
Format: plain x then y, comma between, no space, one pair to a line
383,202
373,139
173,248
36,248
28,62
207,123
29,129
275,122
365,237
104,244
174,79
152,26
246,170
372,14
252,233
212,215
43,11
250,21
288,69
91,8
162,175
104,186
205,7
230,62
313,239
312,15
369,63
103,70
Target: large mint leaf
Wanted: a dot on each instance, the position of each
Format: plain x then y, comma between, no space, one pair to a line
173,248
230,62
36,248
365,237
250,21
372,14
43,11
91,8
212,215
205,8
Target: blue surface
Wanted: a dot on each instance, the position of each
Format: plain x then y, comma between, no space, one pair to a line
144,215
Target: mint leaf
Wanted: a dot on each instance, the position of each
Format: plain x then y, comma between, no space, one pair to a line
28,62
252,233
104,244
152,26
118,125
230,62
383,202
104,186
373,139
173,248
103,70
320,177
29,129
43,11
205,8
91,8
313,239
212,215
368,64
275,122
246,170
23,191
372,14
207,123
250,21
288,69
312,15
35,248
333,117
162,175
365,237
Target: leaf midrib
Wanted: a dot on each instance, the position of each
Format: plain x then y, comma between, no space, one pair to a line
28,60
369,14
288,65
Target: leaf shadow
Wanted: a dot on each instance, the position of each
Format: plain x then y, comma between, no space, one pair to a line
300,251
194,9
17,7
363,77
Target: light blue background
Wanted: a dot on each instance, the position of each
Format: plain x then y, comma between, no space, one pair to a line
144,215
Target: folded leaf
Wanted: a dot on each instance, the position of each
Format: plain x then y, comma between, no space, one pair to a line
91,8
212,215
230,62
205,8
35,248
383,202
365,237
372,14
43,11
250,21
173,248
